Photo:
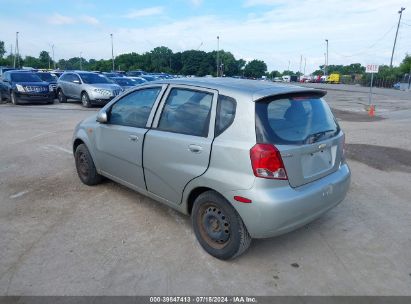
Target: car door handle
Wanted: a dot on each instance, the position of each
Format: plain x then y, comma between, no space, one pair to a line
133,137
195,148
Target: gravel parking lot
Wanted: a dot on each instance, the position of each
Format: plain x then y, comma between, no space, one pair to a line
60,237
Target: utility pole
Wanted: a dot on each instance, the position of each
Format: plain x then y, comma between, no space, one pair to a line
52,52
81,64
11,51
218,51
409,79
112,51
16,51
305,63
396,34
326,58
289,62
301,62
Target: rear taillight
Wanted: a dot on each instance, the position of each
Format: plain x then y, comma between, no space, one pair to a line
267,162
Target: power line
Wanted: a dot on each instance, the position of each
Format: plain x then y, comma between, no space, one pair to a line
369,47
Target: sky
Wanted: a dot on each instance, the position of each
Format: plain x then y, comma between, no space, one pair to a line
280,32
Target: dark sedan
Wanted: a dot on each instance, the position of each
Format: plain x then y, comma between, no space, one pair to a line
24,87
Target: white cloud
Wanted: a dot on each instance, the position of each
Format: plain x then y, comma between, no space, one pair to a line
196,2
89,20
58,19
145,12
276,34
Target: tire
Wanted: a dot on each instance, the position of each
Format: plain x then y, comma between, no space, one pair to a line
211,212
85,100
14,98
61,97
86,169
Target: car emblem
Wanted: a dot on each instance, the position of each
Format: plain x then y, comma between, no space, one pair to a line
322,146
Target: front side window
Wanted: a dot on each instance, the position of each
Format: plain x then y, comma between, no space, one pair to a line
134,109
186,112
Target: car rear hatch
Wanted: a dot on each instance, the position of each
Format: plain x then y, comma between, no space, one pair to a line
303,129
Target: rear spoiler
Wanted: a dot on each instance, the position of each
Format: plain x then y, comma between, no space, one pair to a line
265,95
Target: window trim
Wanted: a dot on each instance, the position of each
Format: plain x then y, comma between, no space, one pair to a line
108,106
212,119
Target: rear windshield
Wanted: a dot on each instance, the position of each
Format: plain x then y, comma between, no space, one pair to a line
25,77
294,121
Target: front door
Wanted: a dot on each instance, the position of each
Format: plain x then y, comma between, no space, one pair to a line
177,148
119,142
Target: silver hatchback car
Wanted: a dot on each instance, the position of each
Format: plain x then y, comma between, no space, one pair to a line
245,159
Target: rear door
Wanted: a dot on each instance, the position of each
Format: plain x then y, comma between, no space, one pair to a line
177,148
119,142
305,132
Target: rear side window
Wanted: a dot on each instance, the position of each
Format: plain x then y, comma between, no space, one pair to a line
186,112
134,109
226,107
294,120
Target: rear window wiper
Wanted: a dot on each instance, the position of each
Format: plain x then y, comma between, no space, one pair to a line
312,138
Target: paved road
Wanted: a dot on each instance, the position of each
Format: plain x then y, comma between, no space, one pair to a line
60,237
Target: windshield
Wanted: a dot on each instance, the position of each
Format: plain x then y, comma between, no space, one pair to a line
94,78
46,77
294,120
24,77
125,82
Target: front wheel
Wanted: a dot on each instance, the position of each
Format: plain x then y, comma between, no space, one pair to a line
86,169
218,227
60,95
14,98
85,100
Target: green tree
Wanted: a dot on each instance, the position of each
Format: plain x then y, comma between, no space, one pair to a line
161,59
255,68
2,49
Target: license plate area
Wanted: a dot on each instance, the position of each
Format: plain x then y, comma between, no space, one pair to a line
318,162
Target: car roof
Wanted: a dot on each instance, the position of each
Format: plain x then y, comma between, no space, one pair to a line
249,88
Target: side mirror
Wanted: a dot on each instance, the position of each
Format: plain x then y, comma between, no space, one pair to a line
102,117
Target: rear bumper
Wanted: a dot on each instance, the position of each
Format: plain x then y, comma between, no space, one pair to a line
278,210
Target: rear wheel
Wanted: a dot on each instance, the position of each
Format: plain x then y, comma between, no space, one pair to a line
14,98
86,169
60,95
218,227
85,100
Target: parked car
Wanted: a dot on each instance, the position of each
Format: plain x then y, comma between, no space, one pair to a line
136,73
112,74
90,88
149,77
245,159
138,80
51,79
127,82
24,87
5,69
